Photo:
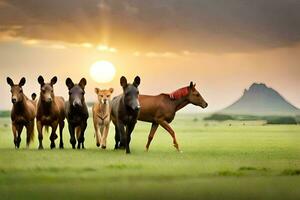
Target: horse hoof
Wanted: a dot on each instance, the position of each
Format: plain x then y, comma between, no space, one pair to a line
41,147
52,146
61,146
103,147
98,144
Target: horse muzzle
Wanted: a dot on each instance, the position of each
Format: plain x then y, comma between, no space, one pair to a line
204,105
14,100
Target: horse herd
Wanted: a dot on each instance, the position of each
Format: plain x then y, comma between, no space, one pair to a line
123,110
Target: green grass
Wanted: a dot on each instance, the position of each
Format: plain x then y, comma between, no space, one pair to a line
218,162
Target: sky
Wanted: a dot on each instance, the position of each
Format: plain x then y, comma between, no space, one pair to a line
221,45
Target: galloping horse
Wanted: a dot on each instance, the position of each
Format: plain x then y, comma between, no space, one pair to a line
161,109
22,113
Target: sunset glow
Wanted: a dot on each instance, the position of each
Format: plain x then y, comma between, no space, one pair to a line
102,71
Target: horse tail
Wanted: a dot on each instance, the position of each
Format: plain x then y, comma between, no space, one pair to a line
78,132
31,132
33,96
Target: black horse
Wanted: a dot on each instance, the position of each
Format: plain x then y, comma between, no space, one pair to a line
125,111
76,112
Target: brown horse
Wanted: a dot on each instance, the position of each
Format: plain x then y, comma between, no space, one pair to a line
23,112
161,109
50,112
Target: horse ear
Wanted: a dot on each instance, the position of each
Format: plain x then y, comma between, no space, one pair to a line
41,80
22,82
9,81
69,83
82,83
97,90
137,81
123,82
191,84
111,90
53,80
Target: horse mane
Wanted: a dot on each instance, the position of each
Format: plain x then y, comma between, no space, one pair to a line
182,92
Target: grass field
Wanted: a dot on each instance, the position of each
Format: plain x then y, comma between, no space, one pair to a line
218,162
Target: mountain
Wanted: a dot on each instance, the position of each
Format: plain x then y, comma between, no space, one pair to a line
261,100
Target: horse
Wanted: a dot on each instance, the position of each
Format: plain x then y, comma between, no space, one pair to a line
125,111
23,112
161,109
101,116
50,112
76,112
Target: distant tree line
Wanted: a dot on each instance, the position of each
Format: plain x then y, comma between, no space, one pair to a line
268,119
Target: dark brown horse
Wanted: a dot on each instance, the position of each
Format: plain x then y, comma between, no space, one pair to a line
50,112
124,113
76,112
161,109
23,112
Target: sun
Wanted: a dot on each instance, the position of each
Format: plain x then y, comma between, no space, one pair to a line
102,71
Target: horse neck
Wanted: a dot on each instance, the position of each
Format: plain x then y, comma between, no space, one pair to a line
47,107
180,103
21,106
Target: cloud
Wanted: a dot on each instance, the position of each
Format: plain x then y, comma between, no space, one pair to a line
156,26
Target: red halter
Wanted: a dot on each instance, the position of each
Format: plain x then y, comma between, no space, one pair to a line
182,92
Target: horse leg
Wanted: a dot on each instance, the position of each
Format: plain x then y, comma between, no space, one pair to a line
81,137
122,135
19,132
29,136
168,128
14,130
53,135
72,135
151,134
117,137
61,128
40,134
129,130
104,136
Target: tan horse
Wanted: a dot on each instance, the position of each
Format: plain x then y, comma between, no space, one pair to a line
23,112
161,109
50,112
101,116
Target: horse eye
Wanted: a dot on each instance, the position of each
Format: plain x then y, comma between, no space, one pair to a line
108,96
198,95
70,93
83,93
